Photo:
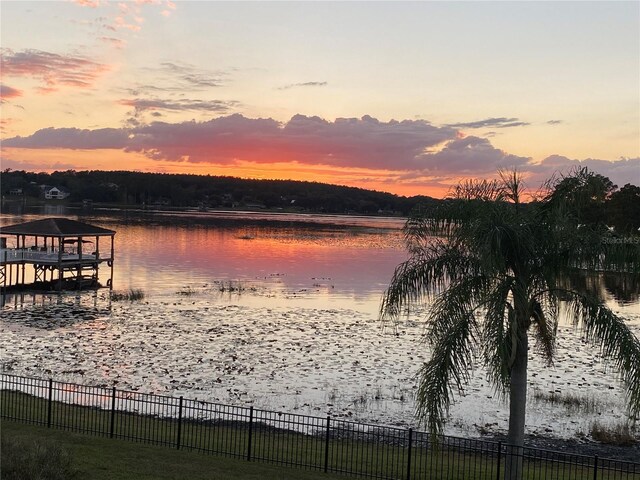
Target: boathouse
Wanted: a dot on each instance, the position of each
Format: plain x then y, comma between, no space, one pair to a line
64,253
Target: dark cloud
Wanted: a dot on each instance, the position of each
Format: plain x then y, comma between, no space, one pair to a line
73,138
305,84
554,122
407,151
500,122
471,155
51,69
620,172
345,142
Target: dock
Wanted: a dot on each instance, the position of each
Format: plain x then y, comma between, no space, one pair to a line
64,254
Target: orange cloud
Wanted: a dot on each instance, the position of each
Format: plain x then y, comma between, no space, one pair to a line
406,157
87,3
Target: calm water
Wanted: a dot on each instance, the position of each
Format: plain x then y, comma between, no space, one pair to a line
328,260
278,311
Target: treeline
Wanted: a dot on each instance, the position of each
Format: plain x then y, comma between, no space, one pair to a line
601,201
177,190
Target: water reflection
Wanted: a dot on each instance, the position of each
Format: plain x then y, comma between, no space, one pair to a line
334,258
326,257
612,288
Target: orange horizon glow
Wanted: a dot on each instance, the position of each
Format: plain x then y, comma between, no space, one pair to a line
50,160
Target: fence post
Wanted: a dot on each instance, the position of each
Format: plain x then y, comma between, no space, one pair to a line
50,404
326,446
409,455
499,460
112,428
250,432
595,468
179,423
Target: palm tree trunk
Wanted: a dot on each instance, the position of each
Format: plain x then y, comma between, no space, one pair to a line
517,407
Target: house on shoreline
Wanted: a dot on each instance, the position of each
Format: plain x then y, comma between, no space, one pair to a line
54,193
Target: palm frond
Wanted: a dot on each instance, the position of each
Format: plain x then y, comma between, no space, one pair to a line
449,365
452,333
545,321
423,276
496,335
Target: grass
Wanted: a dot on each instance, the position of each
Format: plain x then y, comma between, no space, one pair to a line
34,458
620,434
131,295
151,451
569,401
109,459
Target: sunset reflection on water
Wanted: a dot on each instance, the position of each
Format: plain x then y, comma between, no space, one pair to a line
326,259
348,262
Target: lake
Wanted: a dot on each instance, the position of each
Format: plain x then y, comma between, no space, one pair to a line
278,311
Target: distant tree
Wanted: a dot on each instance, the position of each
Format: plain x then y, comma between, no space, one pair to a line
490,273
585,192
623,210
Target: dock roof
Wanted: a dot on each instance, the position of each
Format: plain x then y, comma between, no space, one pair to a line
56,227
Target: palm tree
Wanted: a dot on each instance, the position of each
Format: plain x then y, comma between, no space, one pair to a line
492,272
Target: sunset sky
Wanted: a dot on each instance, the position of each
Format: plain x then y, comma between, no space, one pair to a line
405,97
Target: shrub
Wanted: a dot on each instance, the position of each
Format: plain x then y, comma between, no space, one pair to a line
35,460
619,434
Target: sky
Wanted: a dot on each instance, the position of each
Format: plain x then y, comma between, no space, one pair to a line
403,97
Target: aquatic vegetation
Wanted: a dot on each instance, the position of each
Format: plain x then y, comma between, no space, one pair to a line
618,434
571,401
186,291
131,295
231,287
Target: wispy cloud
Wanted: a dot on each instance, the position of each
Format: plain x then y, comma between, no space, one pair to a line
52,69
12,163
554,122
88,3
214,106
127,15
4,124
305,84
116,42
171,77
192,76
170,7
7,92
499,122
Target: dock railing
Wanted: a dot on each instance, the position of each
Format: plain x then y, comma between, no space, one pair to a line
327,444
19,255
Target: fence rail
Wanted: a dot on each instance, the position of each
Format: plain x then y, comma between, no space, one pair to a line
326,444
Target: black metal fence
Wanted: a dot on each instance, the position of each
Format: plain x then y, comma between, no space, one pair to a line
325,444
